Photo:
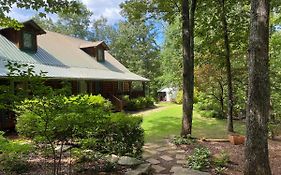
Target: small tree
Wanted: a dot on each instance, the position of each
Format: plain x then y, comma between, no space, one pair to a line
56,119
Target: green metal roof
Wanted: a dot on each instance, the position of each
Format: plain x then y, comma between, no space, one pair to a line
61,57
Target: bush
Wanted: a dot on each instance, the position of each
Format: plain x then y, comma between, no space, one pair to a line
179,97
123,136
14,163
13,156
138,103
199,160
178,140
221,159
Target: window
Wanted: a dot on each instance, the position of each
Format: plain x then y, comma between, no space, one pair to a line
28,41
100,55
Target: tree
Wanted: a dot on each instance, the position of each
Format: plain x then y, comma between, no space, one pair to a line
188,65
256,152
228,67
170,57
134,46
63,6
168,10
101,31
73,24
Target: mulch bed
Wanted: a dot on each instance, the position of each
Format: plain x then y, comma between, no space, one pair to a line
236,153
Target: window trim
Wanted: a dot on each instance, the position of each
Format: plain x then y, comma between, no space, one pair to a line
33,42
100,58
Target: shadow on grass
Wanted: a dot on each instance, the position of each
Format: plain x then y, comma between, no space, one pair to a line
162,128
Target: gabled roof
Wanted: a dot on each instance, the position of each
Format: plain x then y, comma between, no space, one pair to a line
62,57
39,30
87,44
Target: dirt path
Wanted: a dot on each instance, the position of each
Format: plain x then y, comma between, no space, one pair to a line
148,111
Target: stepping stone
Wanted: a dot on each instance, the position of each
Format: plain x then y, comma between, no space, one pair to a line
153,161
180,151
180,156
172,152
178,170
158,168
182,162
167,158
151,151
129,161
151,145
162,149
141,169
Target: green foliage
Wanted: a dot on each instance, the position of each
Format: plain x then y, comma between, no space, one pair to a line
220,170
13,156
179,97
14,163
139,103
121,134
221,159
199,160
208,106
63,6
77,23
178,140
135,47
171,55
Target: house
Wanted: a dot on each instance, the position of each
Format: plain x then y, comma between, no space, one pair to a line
168,94
88,66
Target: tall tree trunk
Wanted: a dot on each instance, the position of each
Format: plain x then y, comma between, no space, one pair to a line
256,152
228,68
188,64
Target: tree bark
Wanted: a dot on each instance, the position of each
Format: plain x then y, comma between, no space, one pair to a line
256,152
188,69
228,68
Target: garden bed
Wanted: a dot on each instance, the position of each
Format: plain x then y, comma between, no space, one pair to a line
236,155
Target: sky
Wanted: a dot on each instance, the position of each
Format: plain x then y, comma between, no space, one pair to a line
107,8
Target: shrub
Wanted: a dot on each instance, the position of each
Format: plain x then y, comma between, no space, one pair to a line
221,159
178,140
179,97
60,119
122,135
13,156
199,160
138,103
14,163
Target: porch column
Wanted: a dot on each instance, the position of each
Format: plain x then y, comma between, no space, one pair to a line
143,88
130,89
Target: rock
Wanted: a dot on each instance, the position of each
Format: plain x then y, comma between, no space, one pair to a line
129,161
178,170
142,169
64,148
111,158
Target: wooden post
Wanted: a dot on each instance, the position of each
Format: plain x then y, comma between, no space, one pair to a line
130,89
143,88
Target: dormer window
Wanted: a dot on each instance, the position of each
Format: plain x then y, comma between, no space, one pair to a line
100,57
95,49
28,41
25,38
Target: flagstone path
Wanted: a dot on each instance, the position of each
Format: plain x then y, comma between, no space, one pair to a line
167,159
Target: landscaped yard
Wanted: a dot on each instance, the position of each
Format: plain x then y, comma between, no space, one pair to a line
166,122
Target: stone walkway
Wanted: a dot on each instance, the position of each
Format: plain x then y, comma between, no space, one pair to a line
167,159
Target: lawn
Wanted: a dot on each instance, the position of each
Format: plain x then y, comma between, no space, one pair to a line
167,122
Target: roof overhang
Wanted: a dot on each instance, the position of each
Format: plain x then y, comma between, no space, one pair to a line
94,44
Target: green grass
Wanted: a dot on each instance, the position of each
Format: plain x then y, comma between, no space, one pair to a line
167,122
